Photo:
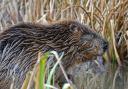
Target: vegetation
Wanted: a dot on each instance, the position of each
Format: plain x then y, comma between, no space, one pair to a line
108,17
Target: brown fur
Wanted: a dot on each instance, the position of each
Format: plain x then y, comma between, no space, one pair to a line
20,44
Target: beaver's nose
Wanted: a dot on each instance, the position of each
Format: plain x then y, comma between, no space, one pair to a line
105,45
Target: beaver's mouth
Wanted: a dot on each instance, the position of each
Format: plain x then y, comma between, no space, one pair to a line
100,54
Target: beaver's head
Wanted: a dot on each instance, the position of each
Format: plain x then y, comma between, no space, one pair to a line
90,43
78,41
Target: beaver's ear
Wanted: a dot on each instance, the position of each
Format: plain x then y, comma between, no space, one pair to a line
74,28
76,32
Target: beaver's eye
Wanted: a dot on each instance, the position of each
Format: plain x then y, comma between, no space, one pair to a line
74,28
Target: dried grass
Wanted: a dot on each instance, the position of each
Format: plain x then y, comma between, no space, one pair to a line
108,17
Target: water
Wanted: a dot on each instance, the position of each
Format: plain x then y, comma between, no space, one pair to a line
89,75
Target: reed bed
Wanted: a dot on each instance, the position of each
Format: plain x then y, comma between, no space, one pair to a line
107,17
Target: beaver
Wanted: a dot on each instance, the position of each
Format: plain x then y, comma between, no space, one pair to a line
20,44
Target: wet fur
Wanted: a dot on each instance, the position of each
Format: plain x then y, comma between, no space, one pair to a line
20,44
